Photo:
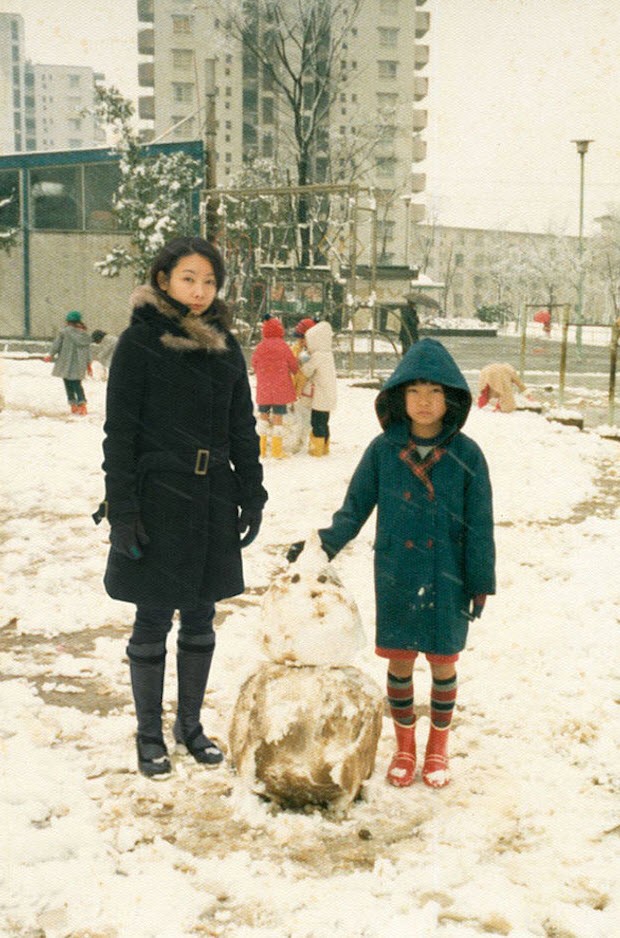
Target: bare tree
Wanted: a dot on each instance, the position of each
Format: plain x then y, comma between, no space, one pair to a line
295,47
605,254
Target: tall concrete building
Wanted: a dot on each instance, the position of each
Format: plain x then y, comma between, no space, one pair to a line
56,99
12,114
201,81
41,105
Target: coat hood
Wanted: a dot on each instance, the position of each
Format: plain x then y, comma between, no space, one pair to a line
426,360
273,329
178,331
319,338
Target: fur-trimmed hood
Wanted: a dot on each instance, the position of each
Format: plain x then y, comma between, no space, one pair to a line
179,331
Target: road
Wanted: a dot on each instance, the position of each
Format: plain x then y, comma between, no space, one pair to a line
587,375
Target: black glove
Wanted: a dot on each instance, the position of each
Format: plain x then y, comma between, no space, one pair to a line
295,550
128,538
249,521
477,605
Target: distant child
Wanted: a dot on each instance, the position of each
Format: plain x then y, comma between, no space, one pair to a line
321,370
274,366
495,383
434,549
304,388
104,343
70,352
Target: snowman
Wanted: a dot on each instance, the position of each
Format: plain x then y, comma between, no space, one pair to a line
306,725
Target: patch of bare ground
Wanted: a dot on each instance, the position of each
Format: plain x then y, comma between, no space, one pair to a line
90,693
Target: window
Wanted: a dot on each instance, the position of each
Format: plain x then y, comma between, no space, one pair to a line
183,127
458,301
388,6
182,92
386,166
74,81
459,259
75,123
385,230
388,37
17,98
387,133
55,198
181,23
268,112
9,190
14,30
182,58
386,102
267,145
387,68
15,53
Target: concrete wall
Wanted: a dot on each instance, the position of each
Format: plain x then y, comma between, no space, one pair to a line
62,277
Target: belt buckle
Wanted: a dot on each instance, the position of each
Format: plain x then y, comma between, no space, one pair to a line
202,462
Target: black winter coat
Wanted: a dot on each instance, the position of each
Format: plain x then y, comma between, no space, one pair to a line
181,453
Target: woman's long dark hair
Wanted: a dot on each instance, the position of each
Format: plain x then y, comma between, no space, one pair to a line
169,256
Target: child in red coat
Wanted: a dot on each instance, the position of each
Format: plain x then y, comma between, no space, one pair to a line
274,366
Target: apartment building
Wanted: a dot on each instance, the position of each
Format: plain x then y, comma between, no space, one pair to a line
56,98
41,105
12,116
200,81
485,267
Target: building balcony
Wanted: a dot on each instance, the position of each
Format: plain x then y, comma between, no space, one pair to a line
146,12
146,74
146,108
419,120
422,23
420,58
146,41
418,182
418,149
420,88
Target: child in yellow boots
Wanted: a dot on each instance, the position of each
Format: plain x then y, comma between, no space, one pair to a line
274,366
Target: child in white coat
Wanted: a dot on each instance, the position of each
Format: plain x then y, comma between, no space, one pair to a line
320,368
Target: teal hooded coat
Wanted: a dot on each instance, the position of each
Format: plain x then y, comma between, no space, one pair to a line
434,547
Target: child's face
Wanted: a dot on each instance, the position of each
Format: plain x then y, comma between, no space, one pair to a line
426,406
191,282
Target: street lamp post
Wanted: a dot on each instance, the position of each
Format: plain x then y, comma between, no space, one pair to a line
582,149
210,208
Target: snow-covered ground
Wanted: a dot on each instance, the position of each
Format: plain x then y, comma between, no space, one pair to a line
523,841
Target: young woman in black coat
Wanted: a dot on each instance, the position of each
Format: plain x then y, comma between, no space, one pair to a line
184,486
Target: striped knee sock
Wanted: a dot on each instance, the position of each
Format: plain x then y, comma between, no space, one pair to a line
443,698
400,699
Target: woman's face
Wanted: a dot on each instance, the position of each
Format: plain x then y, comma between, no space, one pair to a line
191,282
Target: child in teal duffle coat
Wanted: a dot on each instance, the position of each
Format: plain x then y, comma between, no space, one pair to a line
434,549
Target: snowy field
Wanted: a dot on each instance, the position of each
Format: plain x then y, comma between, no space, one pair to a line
521,843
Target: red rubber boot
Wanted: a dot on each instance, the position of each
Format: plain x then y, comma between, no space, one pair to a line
435,771
402,767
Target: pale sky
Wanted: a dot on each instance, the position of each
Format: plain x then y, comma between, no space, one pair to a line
512,83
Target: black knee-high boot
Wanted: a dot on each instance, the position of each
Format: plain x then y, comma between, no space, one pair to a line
194,656
147,664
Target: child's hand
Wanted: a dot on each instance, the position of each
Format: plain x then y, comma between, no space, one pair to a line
477,605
